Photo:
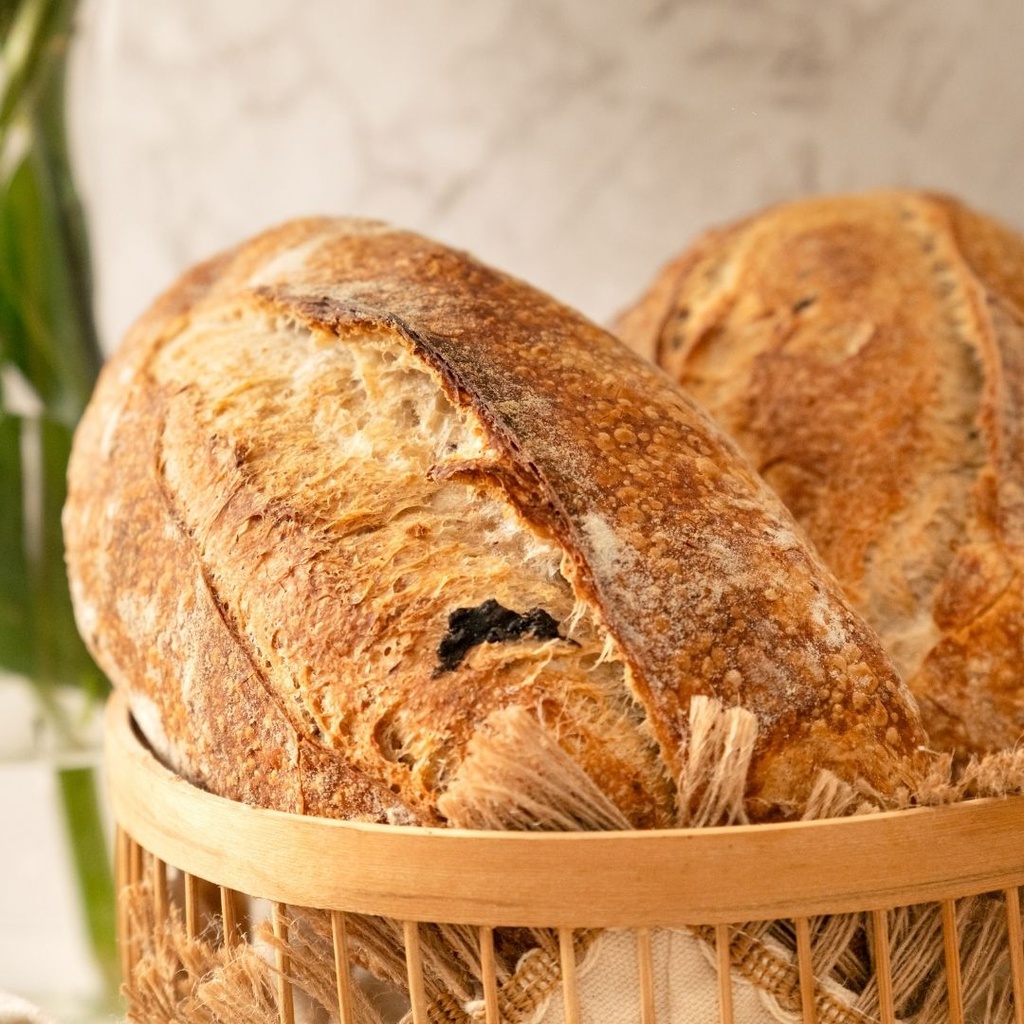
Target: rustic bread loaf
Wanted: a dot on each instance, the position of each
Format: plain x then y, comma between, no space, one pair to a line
348,505
867,353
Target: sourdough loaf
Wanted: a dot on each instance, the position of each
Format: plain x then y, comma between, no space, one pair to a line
348,506
867,353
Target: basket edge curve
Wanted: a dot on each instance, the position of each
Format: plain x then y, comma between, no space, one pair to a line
705,876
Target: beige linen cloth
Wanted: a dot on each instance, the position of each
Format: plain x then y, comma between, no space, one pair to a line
685,984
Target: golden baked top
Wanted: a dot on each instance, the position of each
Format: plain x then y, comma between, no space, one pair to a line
350,509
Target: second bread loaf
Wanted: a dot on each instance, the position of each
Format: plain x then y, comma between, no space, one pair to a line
867,353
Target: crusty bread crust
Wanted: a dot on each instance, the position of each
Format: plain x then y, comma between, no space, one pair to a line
319,448
867,354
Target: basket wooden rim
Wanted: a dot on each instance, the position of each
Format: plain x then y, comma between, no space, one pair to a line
639,879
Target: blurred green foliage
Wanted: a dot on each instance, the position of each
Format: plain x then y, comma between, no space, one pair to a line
49,351
49,359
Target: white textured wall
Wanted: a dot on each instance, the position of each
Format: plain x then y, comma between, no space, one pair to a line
575,143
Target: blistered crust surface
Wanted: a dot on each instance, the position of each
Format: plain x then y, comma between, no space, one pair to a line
689,573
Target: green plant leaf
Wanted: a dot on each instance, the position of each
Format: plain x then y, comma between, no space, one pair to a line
47,333
60,654
72,663
33,26
52,144
8,8
44,333
47,326
27,340
38,637
16,648
91,860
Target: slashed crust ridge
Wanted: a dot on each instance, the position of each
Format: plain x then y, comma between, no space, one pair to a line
864,351
364,435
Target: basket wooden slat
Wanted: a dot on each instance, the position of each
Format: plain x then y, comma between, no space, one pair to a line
342,967
722,939
883,965
121,844
951,942
489,972
414,966
229,916
645,962
570,984
161,908
1015,936
566,880
285,994
191,905
805,964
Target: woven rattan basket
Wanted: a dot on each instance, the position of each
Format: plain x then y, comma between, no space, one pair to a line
708,882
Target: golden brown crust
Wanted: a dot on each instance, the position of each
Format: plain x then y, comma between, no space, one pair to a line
686,573
865,352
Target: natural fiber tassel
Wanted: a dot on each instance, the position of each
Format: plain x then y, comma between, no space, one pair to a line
516,776
712,785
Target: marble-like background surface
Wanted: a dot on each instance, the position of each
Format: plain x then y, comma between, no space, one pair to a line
575,143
